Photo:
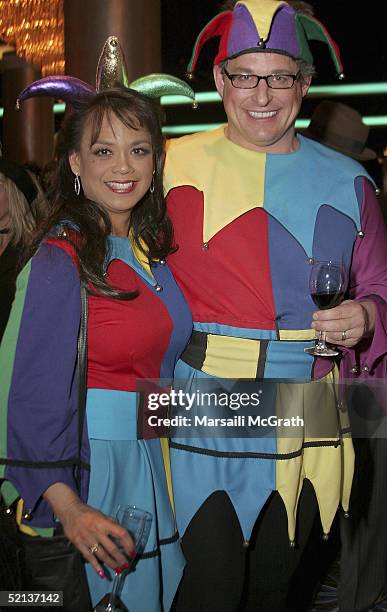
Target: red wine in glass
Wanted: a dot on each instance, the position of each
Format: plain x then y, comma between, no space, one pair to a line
327,285
327,300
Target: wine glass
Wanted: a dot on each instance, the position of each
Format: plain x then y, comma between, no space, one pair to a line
327,284
138,523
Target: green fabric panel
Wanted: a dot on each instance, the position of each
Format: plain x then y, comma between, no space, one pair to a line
305,52
7,355
9,492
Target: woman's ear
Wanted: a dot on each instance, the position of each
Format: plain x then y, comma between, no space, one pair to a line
74,161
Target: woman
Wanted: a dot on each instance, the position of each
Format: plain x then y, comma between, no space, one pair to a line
108,228
19,192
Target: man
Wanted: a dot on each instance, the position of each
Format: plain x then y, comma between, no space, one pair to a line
253,206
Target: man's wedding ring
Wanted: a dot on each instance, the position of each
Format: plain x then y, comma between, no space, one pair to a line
343,335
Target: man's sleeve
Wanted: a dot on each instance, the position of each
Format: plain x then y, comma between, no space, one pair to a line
369,282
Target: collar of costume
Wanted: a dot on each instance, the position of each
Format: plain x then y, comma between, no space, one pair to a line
20,177
124,249
111,73
265,26
119,247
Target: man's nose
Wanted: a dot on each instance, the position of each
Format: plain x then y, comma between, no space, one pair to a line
262,93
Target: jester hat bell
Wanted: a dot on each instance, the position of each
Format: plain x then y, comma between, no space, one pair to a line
264,26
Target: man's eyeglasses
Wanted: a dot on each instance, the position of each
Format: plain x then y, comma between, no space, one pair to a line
274,81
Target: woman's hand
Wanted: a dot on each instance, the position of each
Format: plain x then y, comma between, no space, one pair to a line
90,530
346,324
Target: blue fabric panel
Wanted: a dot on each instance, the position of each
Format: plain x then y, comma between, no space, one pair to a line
120,248
143,484
237,332
180,314
248,481
121,406
288,361
298,184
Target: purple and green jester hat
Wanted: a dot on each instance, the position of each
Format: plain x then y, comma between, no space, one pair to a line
111,73
264,26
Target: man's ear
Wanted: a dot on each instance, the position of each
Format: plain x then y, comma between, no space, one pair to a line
74,161
219,80
306,81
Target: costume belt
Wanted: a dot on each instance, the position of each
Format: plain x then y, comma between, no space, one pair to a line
234,357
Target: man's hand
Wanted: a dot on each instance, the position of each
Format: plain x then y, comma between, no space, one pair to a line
347,324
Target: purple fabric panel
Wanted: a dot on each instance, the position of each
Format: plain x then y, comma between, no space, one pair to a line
243,32
289,262
283,34
369,282
43,399
331,224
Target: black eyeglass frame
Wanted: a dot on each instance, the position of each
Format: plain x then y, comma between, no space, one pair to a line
231,77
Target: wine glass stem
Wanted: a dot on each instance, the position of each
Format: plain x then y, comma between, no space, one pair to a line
114,592
321,344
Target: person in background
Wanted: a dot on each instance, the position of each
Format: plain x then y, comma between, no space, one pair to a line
264,204
20,195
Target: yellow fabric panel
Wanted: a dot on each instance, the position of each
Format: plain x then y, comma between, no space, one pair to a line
329,468
164,443
297,334
323,466
289,472
23,528
140,256
262,12
231,357
224,177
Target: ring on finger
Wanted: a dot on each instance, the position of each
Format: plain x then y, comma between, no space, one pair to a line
343,335
94,548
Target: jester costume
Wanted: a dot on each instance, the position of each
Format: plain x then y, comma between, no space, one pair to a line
249,253
127,341
257,222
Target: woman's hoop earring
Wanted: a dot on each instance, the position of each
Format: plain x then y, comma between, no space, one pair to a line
152,185
77,185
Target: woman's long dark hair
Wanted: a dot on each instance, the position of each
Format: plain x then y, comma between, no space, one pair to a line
150,227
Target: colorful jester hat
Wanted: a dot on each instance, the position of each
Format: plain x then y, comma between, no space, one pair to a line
268,26
111,73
